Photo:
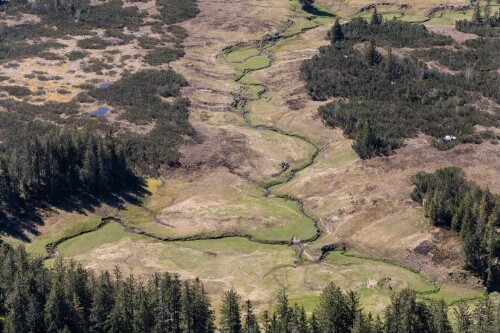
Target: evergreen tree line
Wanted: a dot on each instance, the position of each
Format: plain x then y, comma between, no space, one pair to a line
385,98
452,202
393,33
483,22
59,163
70,299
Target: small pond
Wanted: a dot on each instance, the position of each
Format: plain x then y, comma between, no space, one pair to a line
100,112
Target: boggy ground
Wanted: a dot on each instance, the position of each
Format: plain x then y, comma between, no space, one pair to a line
219,187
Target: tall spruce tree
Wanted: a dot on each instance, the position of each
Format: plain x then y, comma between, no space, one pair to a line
102,303
334,313
439,312
406,315
250,324
337,33
17,316
314,326
283,313
230,318
57,309
487,11
372,57
476,15
376,18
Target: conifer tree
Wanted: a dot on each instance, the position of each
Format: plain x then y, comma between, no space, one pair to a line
57,310
362,324
406,315
376,19
484,316
6,190
90,169
372,57
337,33
274,326
102,303
171,287
230,321
441,323
476,15
314,326
122,313
203,320
366,144
487,11
266,322
283,312
17,318
250,324
334,314
378,326
79,296
143,319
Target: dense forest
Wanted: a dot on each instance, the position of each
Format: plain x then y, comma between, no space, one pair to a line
61,163
68,298
52,149
454,203
383,98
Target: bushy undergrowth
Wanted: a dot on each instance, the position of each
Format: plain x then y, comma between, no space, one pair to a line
80,17
481,54
140,95
17,91
95,43
175,11
163,55
77,55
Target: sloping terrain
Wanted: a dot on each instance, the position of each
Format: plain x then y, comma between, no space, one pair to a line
266,171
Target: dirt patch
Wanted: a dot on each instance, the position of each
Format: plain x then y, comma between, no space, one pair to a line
447,30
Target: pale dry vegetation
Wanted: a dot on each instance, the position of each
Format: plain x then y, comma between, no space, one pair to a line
218,188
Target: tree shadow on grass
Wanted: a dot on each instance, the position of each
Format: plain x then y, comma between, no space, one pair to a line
318,12
22,221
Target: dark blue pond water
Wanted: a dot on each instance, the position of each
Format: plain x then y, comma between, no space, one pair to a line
100,112
105,85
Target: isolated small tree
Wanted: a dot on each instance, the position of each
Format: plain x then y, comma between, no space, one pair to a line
487,10
372,57
476,16
337,33
376,19
306,4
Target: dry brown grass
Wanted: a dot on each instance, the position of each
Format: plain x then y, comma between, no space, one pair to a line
371,198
